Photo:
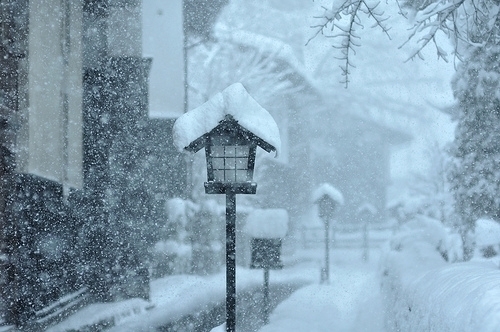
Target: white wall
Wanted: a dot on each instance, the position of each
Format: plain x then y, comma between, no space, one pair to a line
54,121
163,40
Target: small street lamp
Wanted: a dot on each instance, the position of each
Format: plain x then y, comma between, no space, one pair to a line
328,199
365,214
267,228
229,126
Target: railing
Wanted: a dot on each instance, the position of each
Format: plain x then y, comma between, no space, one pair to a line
62,308
347,236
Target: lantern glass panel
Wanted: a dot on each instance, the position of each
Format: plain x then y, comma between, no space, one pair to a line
217,151
219,175
241,175
241,163
230,163
218,163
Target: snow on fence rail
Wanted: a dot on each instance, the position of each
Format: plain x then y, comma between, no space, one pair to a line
62,307
346,236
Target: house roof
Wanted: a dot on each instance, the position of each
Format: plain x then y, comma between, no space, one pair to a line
235,102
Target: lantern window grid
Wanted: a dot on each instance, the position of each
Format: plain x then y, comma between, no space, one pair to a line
230,163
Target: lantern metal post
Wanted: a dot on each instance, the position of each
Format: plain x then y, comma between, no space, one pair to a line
327,249
266,296
230,261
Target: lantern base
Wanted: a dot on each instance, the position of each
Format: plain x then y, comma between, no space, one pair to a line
237,188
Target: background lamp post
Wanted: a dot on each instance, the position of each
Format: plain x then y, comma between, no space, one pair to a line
327,198
366,213
229,126
267,228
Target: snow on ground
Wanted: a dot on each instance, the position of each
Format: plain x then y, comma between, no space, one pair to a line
406,285
350,302
342,304
172,298
423,292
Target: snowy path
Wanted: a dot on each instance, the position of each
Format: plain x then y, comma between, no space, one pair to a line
351,302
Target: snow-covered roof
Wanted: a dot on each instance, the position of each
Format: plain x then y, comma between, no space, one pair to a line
234,101
267,223
328,190
266,44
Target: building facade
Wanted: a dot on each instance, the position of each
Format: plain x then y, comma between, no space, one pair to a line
84,171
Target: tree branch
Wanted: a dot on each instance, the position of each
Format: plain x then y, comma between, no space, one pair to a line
349,12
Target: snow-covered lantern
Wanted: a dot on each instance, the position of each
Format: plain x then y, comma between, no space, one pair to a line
229,126
267,228
328,199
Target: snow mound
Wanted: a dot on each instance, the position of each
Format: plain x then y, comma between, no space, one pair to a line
234,101
267,223
422,292
114,313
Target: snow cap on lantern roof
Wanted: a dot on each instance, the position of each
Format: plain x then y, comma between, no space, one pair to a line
326,189
267,223
235,102
368,207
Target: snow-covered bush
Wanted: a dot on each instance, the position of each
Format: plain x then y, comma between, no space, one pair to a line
208,237
427,232
173,252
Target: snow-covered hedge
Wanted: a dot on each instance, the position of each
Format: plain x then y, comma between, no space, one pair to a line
424,292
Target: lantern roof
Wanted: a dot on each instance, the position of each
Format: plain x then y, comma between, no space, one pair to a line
232,104
329,191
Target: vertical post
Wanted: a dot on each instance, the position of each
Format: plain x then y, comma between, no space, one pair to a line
230,261
365,241
266,296
327,250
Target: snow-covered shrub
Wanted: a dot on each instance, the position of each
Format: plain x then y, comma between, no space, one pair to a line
172,254
171,257
426,231
208,237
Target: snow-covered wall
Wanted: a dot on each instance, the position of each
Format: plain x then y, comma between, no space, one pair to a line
423,292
